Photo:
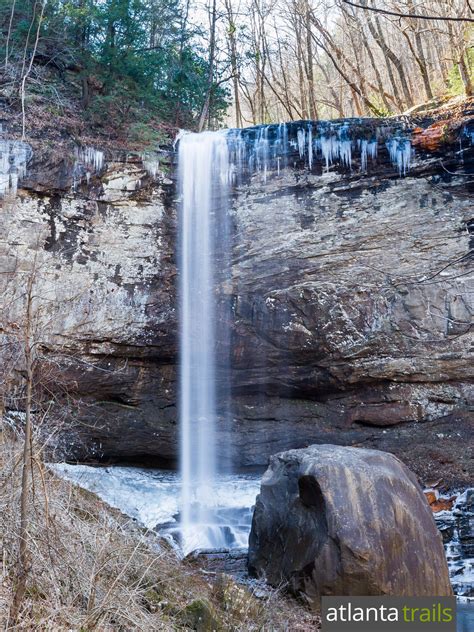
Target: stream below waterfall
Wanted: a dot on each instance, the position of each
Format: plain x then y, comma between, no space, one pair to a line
152,497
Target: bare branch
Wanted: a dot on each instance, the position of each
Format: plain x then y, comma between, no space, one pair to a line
416,16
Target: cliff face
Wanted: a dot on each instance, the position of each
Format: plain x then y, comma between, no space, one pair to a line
354,298
351,295
100,250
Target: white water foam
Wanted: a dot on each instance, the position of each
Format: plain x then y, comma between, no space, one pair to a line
153,498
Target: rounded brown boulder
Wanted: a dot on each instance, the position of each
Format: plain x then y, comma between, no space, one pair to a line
333,520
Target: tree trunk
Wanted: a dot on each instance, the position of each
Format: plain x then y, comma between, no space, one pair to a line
337,59
210,75
465,76
23,562
335,96
234,62
395,61
379,40
312,109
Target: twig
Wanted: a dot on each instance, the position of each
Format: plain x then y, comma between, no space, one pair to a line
416,16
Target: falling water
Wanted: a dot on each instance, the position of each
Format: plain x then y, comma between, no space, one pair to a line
204,172
208,162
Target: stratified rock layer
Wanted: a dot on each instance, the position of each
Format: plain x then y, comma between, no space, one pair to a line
100,253
351,293
333,520
354,296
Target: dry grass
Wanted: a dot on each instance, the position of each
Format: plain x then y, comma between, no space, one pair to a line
91,568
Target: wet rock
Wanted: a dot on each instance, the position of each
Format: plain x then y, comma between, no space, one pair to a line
446,524
432,137
439,503
457,529
331,520
465,520
232,561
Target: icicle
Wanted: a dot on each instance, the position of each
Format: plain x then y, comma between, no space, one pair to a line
241,149
367,148
285,144
344,145
262,151
345,152
332,149
90,157
237,153
326,150
285,138
270,148
301,136
151,164
310,147
372,149
317,146
14,156
280,147
399,150
88,160
363,154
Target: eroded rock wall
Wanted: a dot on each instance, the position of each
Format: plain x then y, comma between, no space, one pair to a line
351,294
354,298
99,248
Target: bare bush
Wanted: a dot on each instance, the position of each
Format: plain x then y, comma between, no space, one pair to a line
91,568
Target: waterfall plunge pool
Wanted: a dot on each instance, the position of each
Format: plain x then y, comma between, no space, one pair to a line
152,497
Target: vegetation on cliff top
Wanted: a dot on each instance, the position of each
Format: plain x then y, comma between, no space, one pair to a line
133,71
115,64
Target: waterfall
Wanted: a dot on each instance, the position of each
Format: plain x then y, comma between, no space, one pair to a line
208,164
204,173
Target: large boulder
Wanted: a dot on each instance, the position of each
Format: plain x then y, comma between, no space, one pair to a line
332,520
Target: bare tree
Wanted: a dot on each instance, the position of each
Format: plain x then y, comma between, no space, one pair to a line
210,76
306,59
234,61
23,563
26,72
417,16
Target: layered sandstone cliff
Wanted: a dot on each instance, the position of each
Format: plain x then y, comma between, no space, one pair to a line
351,298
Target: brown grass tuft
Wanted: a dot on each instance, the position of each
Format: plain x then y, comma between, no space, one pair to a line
91,568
